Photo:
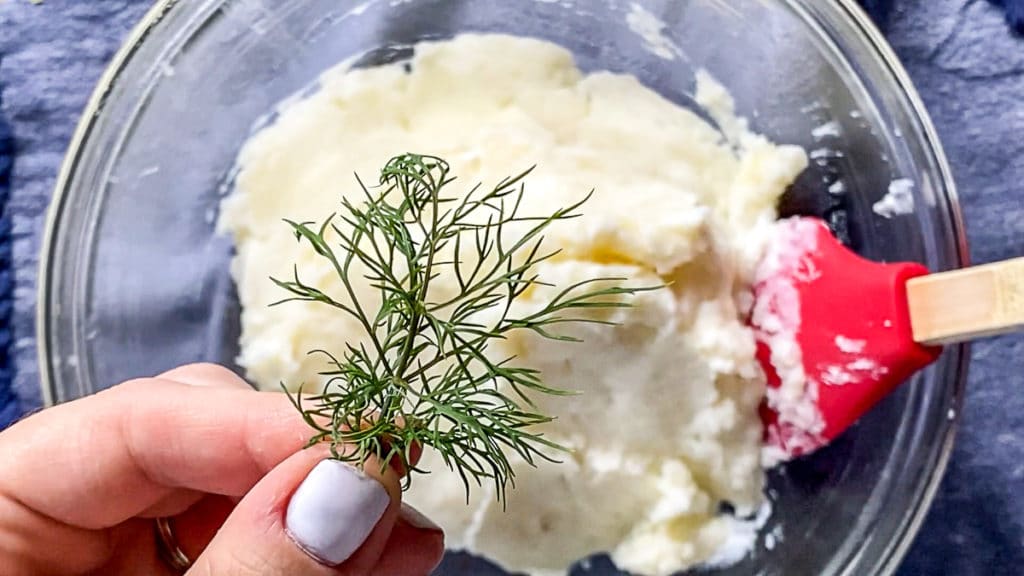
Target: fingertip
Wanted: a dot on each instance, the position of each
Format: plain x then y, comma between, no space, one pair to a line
311,515
415,453
400,466
369,554
338,512
415,548
206,374
418,520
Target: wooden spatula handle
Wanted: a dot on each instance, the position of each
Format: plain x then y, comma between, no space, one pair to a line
966,304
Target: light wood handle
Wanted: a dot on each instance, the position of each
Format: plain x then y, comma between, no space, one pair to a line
967,304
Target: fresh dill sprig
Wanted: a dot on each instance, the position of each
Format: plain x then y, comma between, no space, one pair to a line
424,376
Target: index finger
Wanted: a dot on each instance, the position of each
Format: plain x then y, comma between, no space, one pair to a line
100,460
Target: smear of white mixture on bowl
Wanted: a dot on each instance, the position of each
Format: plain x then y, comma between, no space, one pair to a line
666,427
899,200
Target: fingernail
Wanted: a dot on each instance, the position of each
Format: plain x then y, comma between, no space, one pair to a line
416,519
334,510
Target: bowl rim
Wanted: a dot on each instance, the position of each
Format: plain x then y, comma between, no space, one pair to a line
914,518
850,10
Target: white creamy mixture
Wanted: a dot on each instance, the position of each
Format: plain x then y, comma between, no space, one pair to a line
777,315
897,201
667,426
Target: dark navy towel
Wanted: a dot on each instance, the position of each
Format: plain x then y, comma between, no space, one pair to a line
879,10
1014,13
8,403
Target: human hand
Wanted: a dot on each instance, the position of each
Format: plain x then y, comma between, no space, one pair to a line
81,485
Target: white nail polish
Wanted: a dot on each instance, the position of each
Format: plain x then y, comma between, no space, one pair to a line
334,510
416,519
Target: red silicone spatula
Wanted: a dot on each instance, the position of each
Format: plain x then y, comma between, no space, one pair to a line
837,333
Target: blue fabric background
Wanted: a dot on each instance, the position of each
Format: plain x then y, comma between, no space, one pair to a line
1014,12
9,408
966,62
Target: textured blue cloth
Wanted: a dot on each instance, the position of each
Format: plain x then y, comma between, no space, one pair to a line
961,55
1014,13
9,408
879,10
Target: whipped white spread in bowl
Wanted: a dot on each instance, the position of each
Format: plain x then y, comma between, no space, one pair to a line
665,427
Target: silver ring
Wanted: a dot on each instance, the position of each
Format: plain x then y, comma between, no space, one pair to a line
167,547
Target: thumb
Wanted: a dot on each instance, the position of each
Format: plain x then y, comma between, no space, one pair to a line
309,516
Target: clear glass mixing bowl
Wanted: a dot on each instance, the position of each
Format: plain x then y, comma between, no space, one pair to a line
135,280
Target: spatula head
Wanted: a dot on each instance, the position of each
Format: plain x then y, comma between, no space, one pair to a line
834,336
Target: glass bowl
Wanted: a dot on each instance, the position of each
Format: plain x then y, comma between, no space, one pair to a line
135,279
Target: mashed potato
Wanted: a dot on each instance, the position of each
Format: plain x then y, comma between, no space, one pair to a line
666,427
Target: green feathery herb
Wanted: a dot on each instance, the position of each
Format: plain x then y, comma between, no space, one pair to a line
423,376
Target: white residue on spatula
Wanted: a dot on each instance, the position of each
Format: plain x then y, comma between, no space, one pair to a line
849,345
776,317
899,200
